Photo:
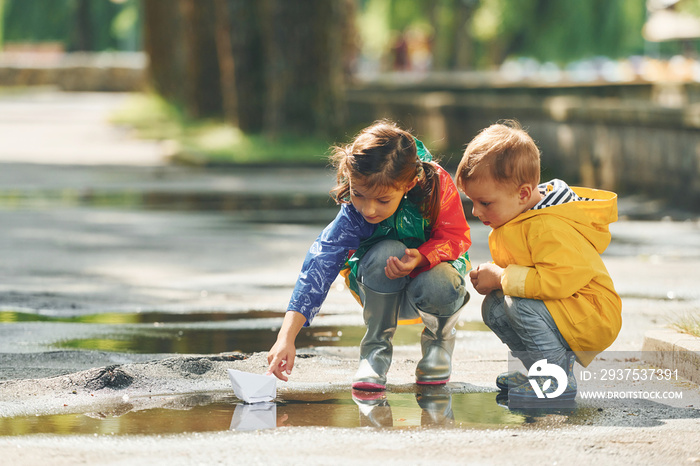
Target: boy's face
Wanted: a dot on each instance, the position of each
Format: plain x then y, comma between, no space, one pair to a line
495,204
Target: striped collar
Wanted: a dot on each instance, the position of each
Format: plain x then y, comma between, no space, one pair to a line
556,192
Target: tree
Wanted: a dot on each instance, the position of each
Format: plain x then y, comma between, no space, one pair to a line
303,65
286,58
272,66
454,44
202,84
163,24
242,61
82,31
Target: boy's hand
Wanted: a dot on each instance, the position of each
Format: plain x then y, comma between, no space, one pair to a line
397,268
486,278
281,359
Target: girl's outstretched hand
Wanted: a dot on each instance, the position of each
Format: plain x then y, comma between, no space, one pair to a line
282,353
281,359
397,268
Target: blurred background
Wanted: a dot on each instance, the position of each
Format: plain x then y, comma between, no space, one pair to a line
610,90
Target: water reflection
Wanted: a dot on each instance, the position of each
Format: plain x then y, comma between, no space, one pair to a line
115,318
165,200
256,416
212,341
199,413
203,332
375,410
435,408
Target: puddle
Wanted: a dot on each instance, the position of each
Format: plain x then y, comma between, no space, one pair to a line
429,409
138,317
213,341
157,332
163,200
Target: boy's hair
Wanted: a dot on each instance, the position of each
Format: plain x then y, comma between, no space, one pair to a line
384,155
504,152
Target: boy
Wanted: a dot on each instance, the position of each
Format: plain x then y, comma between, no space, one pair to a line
548,293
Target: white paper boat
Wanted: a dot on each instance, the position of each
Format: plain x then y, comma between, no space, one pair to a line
253,388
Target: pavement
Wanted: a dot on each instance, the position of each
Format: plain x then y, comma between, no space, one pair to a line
96,222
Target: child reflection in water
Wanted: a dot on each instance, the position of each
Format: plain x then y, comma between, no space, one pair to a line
375,410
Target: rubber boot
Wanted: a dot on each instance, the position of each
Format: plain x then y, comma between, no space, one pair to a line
380,312
508,380
437,343
524,396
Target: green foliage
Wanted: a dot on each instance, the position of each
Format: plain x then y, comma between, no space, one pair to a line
113,25
373,25
37,20
379,21
408,13
126,26
569,30
2,28
561,31
547,30
212,141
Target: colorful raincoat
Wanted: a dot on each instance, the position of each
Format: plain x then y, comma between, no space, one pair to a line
344,241
552,253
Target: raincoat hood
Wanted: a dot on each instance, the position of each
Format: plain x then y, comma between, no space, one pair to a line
591,217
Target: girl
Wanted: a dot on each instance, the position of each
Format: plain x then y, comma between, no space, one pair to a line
401,240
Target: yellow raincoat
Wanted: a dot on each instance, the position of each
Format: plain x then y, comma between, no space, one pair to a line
553,255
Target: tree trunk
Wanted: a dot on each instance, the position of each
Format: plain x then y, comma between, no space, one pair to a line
162,41
454,44
227,64
304,72
202,73
464,41
272,66
247,64
82,32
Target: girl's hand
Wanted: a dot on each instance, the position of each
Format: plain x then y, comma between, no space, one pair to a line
281,359
397,268
282,354
486,278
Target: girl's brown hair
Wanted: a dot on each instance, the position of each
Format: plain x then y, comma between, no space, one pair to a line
385,155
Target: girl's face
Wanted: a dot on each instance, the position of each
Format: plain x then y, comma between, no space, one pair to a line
495,204
376,203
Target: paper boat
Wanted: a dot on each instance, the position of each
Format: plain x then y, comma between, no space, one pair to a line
253,388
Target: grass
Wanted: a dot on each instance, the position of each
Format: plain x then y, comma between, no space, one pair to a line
213,141
689,323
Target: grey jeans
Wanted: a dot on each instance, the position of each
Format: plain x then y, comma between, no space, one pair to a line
526,326
439,291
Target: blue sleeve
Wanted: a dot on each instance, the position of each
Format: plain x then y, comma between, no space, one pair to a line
325,259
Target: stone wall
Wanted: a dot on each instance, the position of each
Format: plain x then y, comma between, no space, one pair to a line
87,72
627,139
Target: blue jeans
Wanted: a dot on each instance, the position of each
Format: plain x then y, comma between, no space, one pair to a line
439,291
526,326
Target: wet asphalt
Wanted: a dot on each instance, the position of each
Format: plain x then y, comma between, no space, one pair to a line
99,230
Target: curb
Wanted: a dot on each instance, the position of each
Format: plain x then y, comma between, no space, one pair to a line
669,349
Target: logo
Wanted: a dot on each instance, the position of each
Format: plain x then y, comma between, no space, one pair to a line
543,371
